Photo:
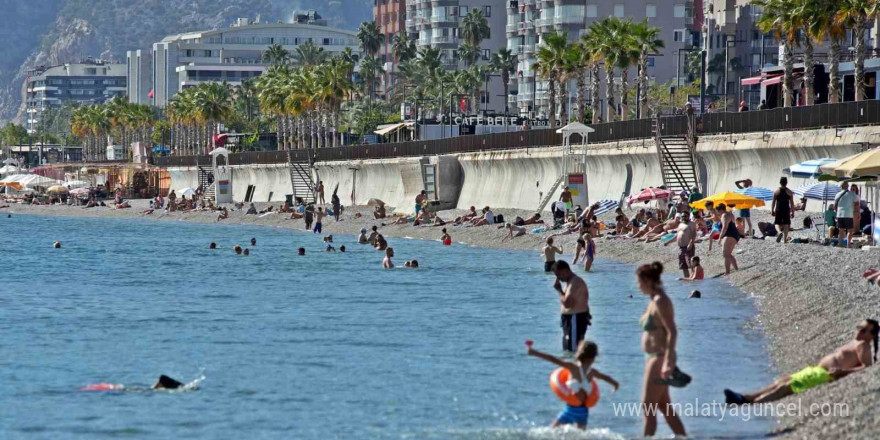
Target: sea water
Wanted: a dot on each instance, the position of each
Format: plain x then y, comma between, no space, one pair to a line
327,345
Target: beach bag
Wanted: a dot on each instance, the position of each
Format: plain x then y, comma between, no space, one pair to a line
808,222
499,219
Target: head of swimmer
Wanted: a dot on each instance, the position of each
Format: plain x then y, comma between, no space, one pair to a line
562,270
253,241
166,383
212,245
301,251
648,277
586,353
237,249
389,252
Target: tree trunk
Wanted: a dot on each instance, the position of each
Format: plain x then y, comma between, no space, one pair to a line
594,91
788,68
624,91
336,111
809,93
611,111
581,97
859,35
563,95
551,91
643,86
505,77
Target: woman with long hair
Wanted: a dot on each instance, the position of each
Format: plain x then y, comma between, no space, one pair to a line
729,237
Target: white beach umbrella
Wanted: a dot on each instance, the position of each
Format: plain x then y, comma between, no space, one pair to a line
187,192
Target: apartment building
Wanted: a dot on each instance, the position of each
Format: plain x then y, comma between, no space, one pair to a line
390,16
87,82
529,21
233,55
435,23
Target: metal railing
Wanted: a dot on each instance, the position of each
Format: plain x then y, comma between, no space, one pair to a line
781,119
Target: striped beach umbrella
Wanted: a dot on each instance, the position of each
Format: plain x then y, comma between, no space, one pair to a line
809,169
824,191
605,206
650,194
757,192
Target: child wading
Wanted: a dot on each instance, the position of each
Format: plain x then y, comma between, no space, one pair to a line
580,373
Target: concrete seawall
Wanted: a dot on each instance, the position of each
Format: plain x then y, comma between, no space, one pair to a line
518,178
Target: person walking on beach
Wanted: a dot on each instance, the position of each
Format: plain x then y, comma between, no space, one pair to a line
574,305
659,339
308,216
565,197
685,237
782,210
319,215
549,252
729,238
845,201
320,191
337,206
853,357
746,213
420,199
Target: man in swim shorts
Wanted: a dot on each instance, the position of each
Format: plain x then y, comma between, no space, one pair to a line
566,198
549,252
853,357
686,236
574,305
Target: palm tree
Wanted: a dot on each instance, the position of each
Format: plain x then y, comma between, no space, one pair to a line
334,85
591,48
550,58
605,37
647,39
276,54
474,28
402,47
214,104
468,54
370,37
310,54
856,14
626,54
371,67
826,25
504,61
431,58
779,19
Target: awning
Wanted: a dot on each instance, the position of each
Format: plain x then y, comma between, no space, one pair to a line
778,79
391,128
751,81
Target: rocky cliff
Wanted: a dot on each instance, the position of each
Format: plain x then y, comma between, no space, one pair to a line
48,32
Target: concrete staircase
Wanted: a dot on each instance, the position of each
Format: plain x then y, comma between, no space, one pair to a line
549,195
301,181
208,188
678,163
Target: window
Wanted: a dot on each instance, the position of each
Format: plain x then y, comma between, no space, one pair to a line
486,54
678,35
651,11
487,11
592,11
326,42
678,11
91,71
207,54
619,11
650,62
462,11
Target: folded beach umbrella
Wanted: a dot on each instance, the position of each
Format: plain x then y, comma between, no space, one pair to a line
650,194
57,189
741,201
605,206
809,169
187,192
757,192
818,191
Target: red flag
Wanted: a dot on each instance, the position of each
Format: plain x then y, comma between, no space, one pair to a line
463,104
150,94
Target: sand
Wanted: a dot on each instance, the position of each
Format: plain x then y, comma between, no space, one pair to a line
810,298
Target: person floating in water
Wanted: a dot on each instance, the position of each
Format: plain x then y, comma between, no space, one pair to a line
164,383
853,357
580,373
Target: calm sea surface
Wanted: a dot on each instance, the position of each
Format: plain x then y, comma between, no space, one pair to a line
326,346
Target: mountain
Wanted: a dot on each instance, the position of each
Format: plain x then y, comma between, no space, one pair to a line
49,32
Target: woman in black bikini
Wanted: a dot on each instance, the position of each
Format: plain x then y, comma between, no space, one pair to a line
728,238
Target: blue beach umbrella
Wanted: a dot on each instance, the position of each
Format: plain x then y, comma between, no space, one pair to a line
605,206
823,191
757,192
809,169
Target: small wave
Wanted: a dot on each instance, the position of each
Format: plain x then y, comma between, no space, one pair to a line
538,433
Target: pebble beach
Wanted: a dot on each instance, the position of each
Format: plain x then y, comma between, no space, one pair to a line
810,298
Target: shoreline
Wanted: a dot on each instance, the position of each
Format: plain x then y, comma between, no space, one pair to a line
809,298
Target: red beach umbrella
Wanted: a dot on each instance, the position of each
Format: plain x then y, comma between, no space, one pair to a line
650,194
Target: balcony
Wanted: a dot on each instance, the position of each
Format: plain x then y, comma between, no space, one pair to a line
544,22
443,20
525,97
511,99
569,19
525,49
528,2
512,28
424,42
450,65
410,22
444,39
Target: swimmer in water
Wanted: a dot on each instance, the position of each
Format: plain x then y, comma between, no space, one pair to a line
212,245
590,251
164,383
301,251
362,239
57,245
247,251
253,241
330,248
580,373
237,249
342,248
549,252
445,237
386,262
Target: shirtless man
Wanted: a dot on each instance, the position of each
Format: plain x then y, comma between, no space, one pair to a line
224,214
319,215
549,252
320,191
662,229
533,220
373,235
386,262
853,357
565,197
574,305
649,225
380,211
685,237
467,216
